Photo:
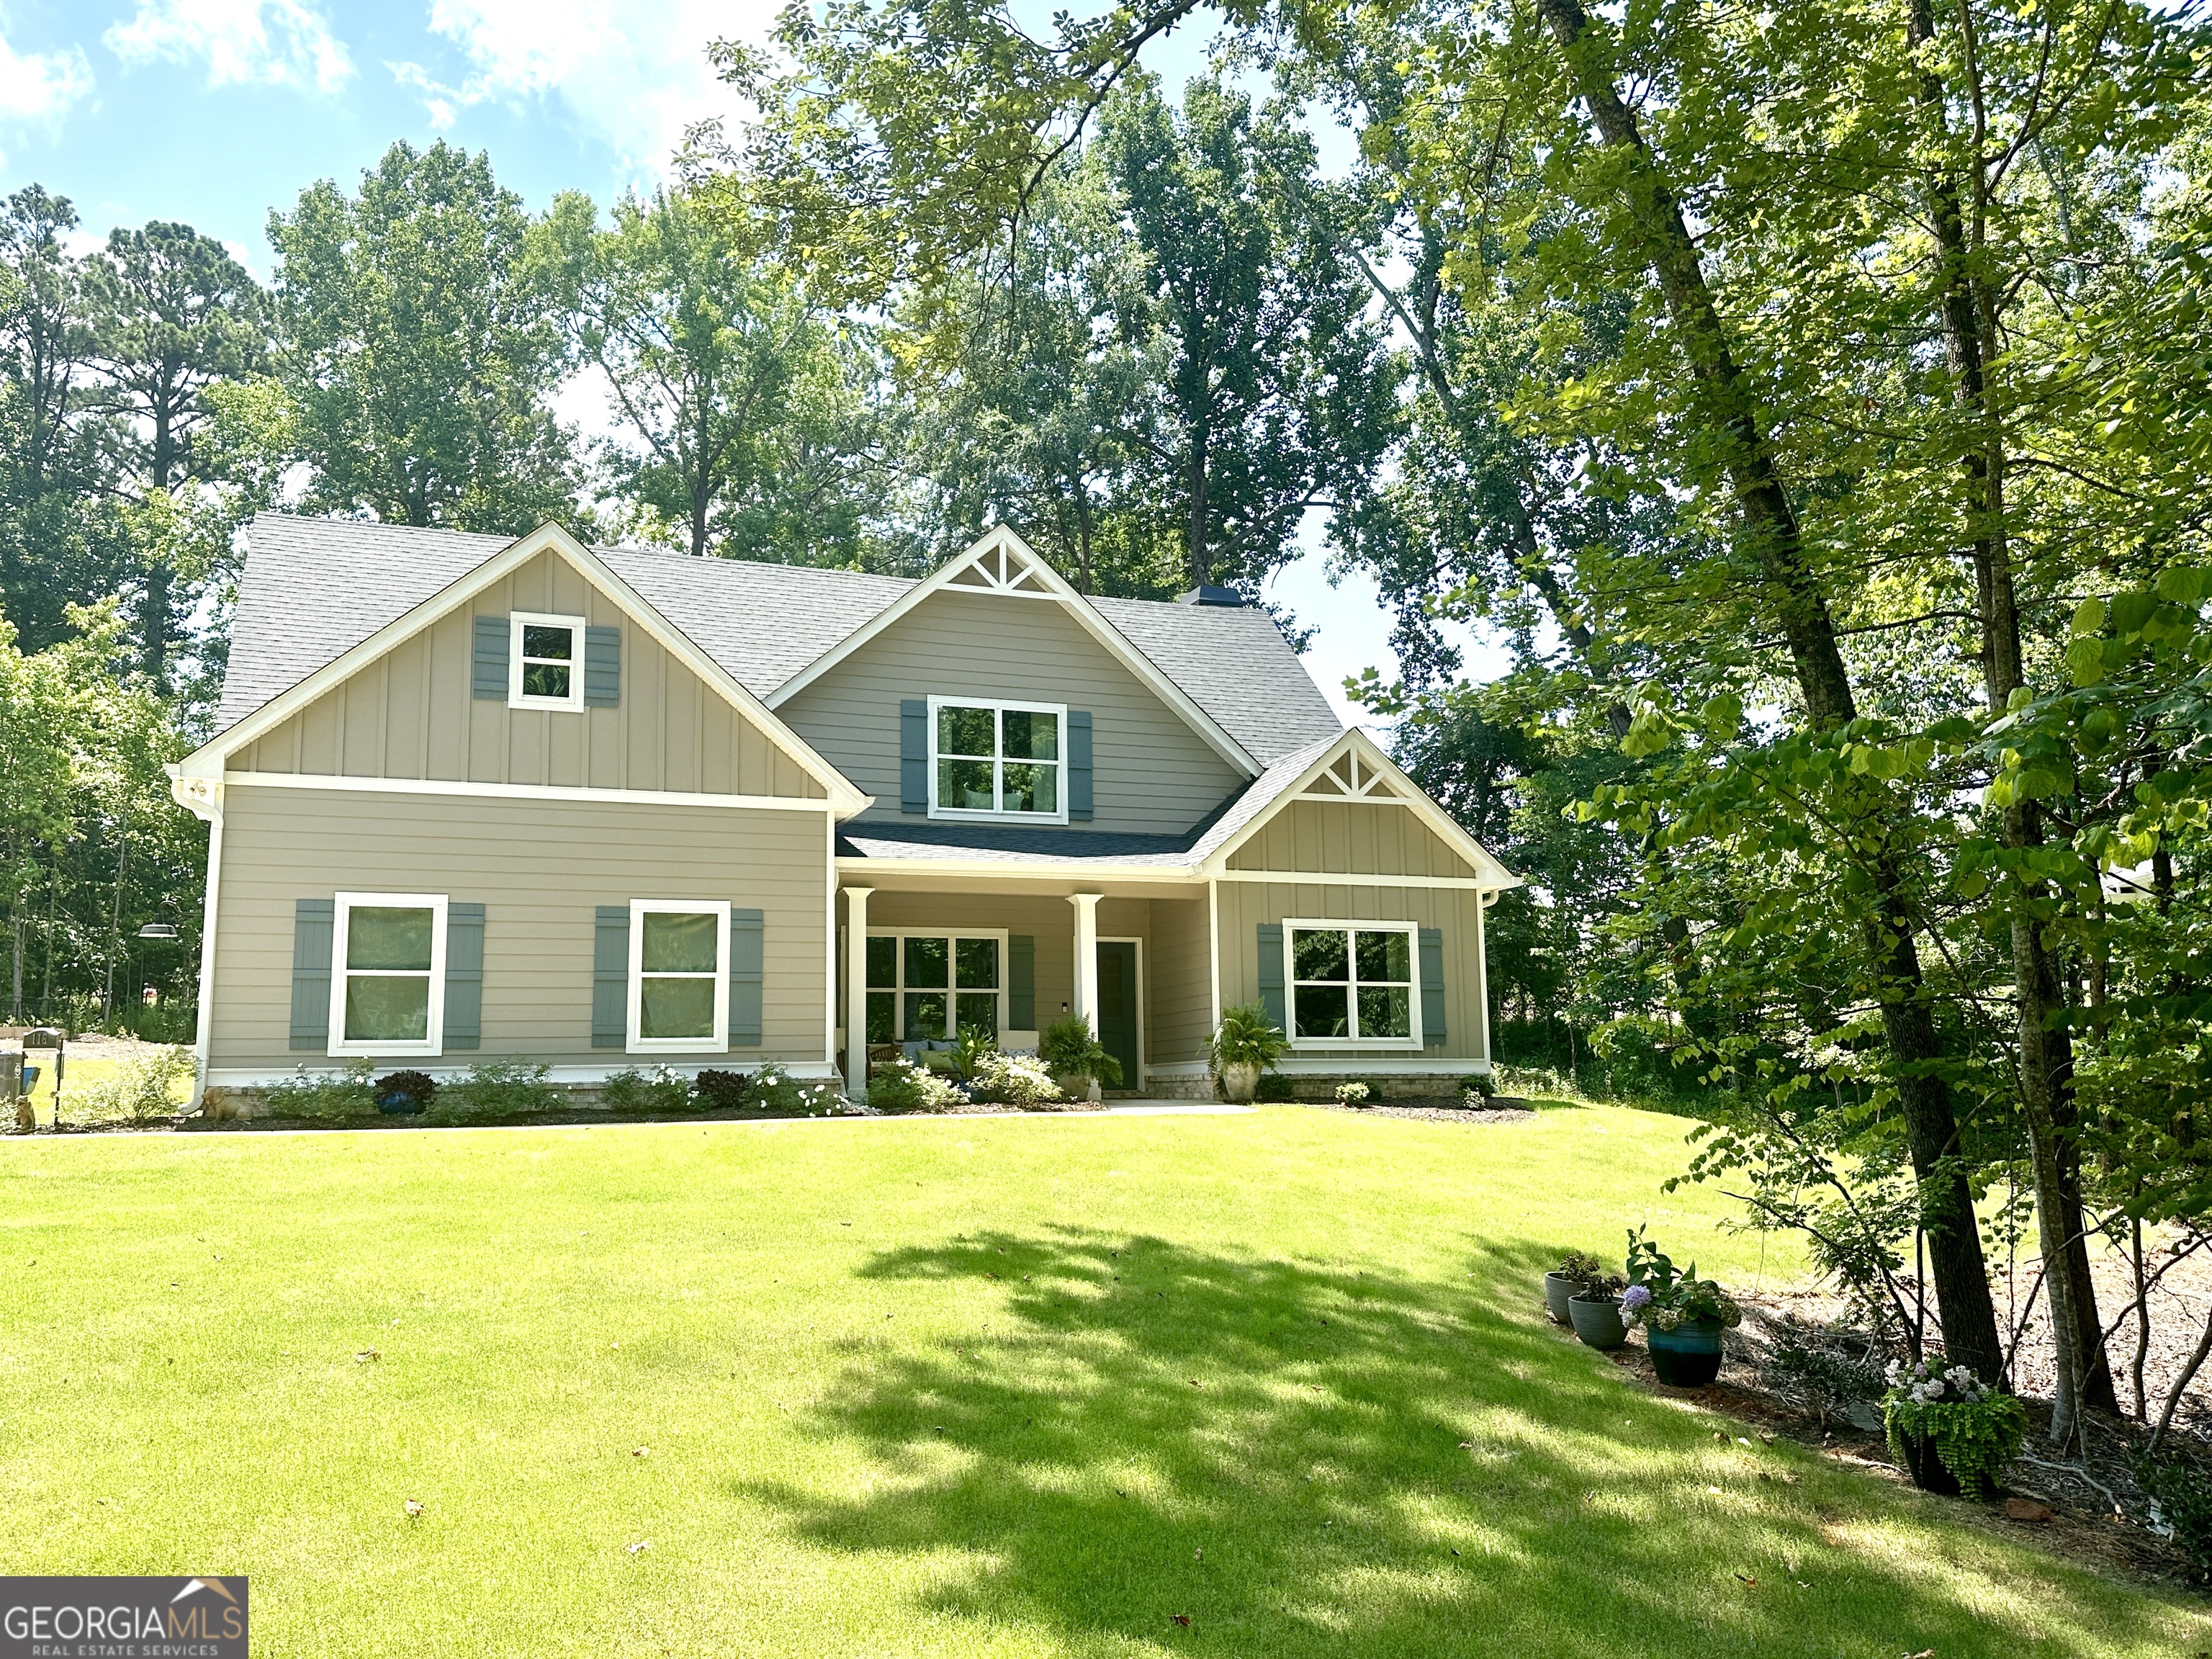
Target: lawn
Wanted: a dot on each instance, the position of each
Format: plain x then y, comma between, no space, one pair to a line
1002,1386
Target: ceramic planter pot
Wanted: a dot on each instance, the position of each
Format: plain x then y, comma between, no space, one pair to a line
1688,1357
1076,1085
1240,1082
1556,1293
1925,1467
1596,1320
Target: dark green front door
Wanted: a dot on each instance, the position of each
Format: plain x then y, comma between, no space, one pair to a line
1117,1006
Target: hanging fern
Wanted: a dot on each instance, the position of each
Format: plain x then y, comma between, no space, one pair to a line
1976,1440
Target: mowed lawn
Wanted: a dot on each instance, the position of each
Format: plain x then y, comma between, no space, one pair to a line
1011,1386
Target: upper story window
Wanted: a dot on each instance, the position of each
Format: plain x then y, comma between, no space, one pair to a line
545,661
997,760
1352,984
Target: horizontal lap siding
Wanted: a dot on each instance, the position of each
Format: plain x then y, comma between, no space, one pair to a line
1453,911
539,868
1181,965
1051,921
1349,837
411,713
1152,774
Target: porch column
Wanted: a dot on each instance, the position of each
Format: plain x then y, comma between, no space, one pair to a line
1086,957
856,991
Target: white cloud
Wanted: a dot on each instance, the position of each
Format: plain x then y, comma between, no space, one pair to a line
38,88
633,73
282,42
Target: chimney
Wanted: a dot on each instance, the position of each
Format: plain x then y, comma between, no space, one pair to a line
1227,599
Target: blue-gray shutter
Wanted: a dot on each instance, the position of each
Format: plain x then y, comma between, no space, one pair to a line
465,926
490,680
1021,982
602,667
1078,763
312,921
610,977
913,754
1432,987
1271,974
746,961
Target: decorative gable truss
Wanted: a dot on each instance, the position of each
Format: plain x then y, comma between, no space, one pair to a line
1347,778
1002,563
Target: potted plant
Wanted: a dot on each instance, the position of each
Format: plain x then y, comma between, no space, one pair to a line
1077,1059
1246,1044
1682,1315
1594,1311
1576,1269
1952,1432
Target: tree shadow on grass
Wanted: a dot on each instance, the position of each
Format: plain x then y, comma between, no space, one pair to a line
1306,1459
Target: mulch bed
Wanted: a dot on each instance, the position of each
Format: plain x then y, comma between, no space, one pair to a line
1500,1111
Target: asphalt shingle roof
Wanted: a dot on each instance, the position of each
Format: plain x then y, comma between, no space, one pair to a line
314,588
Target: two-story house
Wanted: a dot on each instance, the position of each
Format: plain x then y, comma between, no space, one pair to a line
476,799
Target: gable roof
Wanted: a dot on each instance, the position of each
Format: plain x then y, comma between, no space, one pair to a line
314,588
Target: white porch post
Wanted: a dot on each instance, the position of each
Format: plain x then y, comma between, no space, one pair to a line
1086,957
856,991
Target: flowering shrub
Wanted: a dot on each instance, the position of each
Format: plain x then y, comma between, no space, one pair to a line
1351,1094
1975,1430
899,1086
1661,1297
661,1093
1015,1080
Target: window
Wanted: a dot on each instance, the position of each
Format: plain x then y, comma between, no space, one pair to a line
997,760
929,987
679,994
1352,984
545,661
388,973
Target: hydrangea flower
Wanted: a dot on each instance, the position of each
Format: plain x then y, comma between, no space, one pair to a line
1635,1298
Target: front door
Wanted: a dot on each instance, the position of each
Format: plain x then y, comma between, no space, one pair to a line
1117,1005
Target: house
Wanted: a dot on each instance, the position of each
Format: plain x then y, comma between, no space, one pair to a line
475,799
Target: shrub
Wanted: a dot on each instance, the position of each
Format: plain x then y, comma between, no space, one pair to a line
2180,1492
1352,1094
898,1085
499,1088
324,1096
660,1093
1274,1088
405,1092
1581,1267
1069,1049
1014,1080
1823,1378
774,1091
721,1091
1480,1085
1245,1036
1975,1430
139,1090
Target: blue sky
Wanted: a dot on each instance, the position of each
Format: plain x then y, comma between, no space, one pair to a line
214,112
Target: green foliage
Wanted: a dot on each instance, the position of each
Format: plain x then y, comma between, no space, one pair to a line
496,1089
1245,1036
324,1096
1012,1080
660,1093
1976,1431
1275,1089
718,1090
1068,1049
1661,1296
417,1090
2180,1489
1480,1085
1583,1268
898,1085
146,1088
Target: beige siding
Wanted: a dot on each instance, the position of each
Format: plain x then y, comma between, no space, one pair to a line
1453,911
1151,773
411,713
540,869
1316,837
1051,921
1180,994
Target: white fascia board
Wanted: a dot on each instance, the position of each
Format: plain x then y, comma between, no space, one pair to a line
207,760
1116,643
528,791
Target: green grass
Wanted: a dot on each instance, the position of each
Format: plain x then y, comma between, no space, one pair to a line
950,1387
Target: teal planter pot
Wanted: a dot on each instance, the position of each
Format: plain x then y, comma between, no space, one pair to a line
1597,1321
1557,1289
1688,1357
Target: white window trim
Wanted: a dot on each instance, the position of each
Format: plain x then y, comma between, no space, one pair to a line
1341,925
341,925
950,935
516,622
999,708
717,1042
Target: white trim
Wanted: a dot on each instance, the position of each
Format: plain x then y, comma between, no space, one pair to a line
573,626
998,547
717,1041
856,989
1296,878
1171,874
953,991
1348,926
829,963
206,760
1213,953
341,1046
204,800
1341,1063
999,709
525,791
1120,939
250,1077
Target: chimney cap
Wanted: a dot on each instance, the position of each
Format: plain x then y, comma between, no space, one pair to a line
1227,599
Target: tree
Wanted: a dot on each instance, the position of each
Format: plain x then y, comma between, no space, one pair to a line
424,340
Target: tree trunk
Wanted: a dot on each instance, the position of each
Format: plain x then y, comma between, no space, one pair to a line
1962,1290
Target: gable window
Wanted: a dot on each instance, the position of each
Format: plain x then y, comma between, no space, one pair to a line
679,990
1351,984
1000,760
929,987
388,978
545,661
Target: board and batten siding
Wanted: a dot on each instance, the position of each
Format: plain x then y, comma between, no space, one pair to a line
1151,773
1321,837
409,714
540,869
1180,993
1453,911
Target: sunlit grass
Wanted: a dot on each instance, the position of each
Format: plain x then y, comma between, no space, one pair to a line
961,1387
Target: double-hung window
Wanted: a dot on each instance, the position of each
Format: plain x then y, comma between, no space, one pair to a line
679,986
545,661
998,760
929,987
388,973
1351,982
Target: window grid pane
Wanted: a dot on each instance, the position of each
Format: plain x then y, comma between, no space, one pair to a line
676,1005
927,961
679,942
389,936
387,1008
978,965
